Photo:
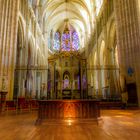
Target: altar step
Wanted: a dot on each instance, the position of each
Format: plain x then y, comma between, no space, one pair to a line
71,121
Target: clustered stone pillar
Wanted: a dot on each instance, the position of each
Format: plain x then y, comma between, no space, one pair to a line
8,38
127,26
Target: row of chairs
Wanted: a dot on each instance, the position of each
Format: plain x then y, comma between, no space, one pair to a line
21,105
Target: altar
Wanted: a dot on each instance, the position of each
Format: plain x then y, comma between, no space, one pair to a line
68,110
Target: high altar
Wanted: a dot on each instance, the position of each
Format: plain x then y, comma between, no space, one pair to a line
67,83
67,91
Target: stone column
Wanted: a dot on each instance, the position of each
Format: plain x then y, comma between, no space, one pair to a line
8,39
52,96
127,27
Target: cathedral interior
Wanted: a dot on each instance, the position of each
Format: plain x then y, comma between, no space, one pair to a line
79,57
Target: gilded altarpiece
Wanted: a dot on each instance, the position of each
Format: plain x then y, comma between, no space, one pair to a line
67,76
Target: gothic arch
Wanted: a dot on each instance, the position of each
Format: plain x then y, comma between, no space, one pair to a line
113,59
95,72
19,59
111,39
102,53
30,52
22,28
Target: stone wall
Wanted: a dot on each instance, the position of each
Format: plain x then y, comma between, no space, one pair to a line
20,38
8,39
127,26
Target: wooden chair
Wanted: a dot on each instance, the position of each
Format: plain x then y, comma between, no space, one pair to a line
33,105
11,106
23,105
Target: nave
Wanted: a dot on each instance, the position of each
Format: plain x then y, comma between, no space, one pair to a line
116,125
68,59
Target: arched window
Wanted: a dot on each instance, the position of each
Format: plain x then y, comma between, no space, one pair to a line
75,41
56,45
66,42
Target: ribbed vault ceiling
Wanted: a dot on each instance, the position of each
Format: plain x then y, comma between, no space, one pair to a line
80,15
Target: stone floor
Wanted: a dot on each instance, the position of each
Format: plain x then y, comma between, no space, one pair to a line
115,125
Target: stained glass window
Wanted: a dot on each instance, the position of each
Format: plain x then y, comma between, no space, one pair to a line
56,45
69,41
75,41
66,42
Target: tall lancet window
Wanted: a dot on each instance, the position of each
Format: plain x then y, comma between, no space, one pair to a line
66,45
56,45
75,41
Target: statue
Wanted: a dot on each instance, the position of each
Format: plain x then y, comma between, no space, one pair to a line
4,87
